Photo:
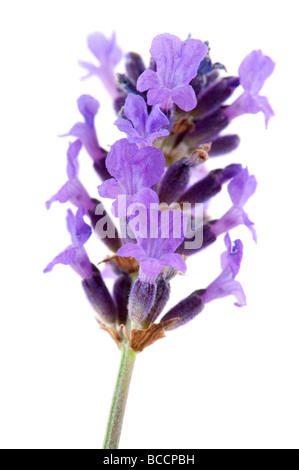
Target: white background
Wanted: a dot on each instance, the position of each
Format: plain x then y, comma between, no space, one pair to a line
229,379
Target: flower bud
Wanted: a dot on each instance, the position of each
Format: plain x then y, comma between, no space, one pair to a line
224,144
212,99
207,128
161,299
142,297
134,66
121,292
210,185
100,167
185,310
98,214
208,237
99,297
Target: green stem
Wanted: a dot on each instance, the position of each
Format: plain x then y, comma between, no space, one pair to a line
120,397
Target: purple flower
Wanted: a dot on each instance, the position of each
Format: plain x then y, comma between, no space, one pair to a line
225,284
142,128
157,240
133,169
75,254
240,189
85,131
177,64
73,190
108,54
253,72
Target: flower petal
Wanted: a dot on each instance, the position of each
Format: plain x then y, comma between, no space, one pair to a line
184,97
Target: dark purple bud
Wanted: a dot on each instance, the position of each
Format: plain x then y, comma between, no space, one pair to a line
100,168
185,310
210,185
121,292
208,237
99,297
174,181
210,100
103,226
224,144
141,300
161,299
207,129
119,103
134,66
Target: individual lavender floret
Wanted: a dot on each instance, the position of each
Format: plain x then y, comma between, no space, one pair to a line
177,63
75,254
73,190
141,127
85,131
253,72
108,54
156,248
225,284
240,189
133,169
76,257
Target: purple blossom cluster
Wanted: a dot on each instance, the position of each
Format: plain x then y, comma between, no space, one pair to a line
173,115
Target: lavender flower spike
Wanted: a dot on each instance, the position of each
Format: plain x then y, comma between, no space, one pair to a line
85,131
142,128
75,254
73,190
225,284
253,72
240,189
108,54
177,64
133,170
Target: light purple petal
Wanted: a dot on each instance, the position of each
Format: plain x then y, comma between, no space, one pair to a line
254,70
233,256
242,187
136,111
149,270
225,284
110,189
66,257
131,249
184,97
192,53
124,125
74,192
150,164
78,229
175,260
72,159
88,107
148,79
156,120
265,107
105,50
120,159
160,95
